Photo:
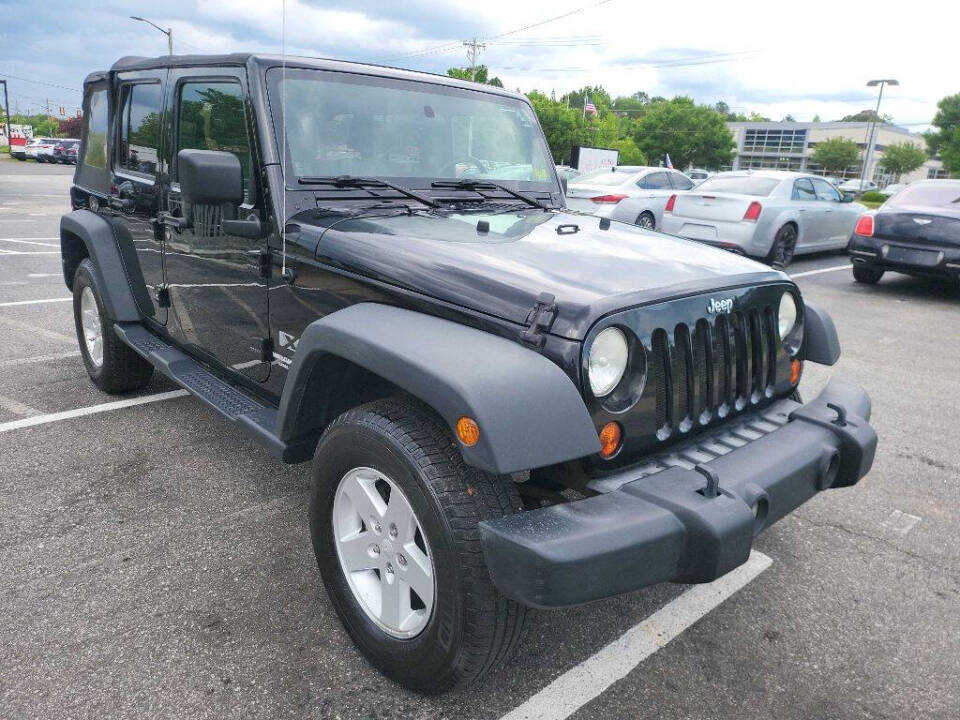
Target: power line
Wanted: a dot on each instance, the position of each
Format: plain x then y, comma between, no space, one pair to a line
39,82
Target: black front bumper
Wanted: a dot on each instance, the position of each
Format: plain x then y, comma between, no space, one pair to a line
671,526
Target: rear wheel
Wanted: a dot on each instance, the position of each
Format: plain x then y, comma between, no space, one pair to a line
112,365
393,517
646,220
867,275
784,246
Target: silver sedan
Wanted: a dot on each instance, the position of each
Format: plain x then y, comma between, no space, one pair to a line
602,192
770,215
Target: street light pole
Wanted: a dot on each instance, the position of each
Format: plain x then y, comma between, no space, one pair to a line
168,32
868,151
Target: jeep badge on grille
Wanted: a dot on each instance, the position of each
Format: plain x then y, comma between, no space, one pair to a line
716,307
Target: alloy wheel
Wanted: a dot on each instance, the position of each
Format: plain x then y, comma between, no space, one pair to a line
383,552
92,326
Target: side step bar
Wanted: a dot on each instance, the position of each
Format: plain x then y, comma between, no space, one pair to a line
257,419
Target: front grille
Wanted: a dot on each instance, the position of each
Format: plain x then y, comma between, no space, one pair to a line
701,368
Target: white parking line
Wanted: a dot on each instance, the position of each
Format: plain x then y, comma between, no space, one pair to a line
91,410
14,362
822,270
31,239
579,685
25,241
35,302
29,252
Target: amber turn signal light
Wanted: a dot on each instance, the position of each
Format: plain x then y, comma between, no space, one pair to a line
468,431
794,371
610,437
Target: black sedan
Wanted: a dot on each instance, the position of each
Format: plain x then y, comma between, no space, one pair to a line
916,232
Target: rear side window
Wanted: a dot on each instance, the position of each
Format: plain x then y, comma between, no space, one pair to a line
95,149
740,184
138,139
211,117
944,195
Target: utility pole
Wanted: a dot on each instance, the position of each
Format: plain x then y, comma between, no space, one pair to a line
868,151
473,49
6,112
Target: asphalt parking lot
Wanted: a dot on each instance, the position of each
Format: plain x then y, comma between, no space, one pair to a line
156,564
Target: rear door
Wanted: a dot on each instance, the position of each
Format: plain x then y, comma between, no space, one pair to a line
810,213
216,292
839,218
134,186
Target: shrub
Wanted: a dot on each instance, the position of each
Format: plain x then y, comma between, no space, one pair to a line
873,196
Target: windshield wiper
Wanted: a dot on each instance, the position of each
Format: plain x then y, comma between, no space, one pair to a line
477,185
352,181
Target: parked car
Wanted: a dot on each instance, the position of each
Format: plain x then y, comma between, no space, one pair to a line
61,151
857,186
893,189
72,153
452,353
698,175
40,149
599,192
835,181
915,232
767,214
565,172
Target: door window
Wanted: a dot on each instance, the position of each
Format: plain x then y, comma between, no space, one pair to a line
680,182
803,190
211,117
825,191
655,181
138,137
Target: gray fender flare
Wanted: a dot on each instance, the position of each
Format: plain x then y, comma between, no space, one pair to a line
529,412
820,340
114,256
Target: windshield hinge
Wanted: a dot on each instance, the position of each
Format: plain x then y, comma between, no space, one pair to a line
540,320
265,263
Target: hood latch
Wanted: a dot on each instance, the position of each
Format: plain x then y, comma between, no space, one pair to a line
540,320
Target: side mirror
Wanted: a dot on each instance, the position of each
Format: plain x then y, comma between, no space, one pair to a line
209,177
846,197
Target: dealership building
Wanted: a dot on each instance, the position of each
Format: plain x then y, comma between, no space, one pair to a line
790,146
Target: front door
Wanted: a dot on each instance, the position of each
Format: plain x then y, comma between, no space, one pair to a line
218,300
840,217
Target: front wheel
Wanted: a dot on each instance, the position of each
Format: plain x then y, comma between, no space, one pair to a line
866,275
393,517
784,246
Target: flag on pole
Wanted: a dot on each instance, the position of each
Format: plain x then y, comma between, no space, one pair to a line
588,107
668,163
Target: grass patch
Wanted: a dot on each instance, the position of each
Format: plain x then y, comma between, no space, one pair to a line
872,204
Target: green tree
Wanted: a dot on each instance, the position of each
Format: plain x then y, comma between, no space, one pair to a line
692,134
836,154
480,75
900,158
564,126
630,154
866,116
945,142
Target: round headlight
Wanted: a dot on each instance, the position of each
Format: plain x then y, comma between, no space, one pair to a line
787,315
607,361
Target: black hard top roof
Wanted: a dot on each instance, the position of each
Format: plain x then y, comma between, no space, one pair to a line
266,61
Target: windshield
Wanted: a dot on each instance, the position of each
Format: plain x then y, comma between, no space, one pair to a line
346,124
740,184
932,195
605,177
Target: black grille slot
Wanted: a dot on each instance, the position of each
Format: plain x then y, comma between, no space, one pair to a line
660,376
703,370
758,356
771,333
683,376
724,362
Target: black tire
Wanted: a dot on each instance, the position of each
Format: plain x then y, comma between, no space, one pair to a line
784,246
867,275
121,370
21,158
646,220
472,628
796,397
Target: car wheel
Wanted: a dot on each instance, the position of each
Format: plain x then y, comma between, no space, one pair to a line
393,518
646,220
111,364
784,245
21,158
867,275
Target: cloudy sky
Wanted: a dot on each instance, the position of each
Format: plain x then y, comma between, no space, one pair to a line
770,57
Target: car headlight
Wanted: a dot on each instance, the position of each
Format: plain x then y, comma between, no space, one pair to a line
787,315
607,361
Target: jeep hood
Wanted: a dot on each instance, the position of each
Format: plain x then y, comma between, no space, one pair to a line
499,263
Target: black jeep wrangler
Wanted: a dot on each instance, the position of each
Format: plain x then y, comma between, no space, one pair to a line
507,405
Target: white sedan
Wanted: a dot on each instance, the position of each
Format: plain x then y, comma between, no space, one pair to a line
602,191
767,214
